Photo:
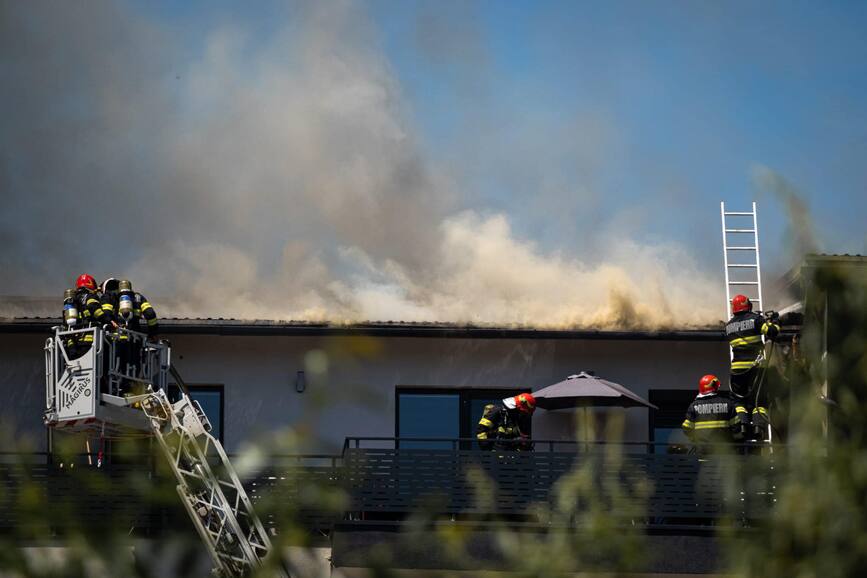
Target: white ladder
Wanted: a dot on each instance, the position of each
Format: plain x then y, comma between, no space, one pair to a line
749,274
208,486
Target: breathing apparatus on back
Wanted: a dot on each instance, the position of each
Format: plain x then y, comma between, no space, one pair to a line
125,307
70,311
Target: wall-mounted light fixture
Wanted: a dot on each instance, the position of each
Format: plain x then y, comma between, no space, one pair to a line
300,381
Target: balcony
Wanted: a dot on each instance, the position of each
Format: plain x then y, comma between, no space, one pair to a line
376,486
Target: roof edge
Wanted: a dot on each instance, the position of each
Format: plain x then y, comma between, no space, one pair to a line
266,328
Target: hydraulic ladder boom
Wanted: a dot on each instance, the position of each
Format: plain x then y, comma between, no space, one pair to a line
211,492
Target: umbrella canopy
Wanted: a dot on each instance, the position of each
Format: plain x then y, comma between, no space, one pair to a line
585,390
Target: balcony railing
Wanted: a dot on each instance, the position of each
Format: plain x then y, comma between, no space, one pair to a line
392,478
638,482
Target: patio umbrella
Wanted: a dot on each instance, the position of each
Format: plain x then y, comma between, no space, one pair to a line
585,390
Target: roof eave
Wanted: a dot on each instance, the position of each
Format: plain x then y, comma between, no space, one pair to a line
265,328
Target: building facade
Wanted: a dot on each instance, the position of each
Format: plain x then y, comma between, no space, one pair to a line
325,383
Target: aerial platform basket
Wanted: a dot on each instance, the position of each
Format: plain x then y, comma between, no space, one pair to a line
85,373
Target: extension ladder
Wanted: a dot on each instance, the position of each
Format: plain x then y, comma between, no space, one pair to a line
743,269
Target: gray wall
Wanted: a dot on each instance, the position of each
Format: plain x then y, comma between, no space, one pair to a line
22,391
355,394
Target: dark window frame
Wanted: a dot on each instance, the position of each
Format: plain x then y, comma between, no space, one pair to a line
466,395
210,388
672,404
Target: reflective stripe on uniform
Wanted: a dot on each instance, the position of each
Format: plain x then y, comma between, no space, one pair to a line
687,424
742,341
152,322
88,338
482,435
741,409
760,410
743,364
716,424
486,422
767,327
145,306
108,306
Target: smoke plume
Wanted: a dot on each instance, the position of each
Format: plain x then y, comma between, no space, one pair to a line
277,177
800,230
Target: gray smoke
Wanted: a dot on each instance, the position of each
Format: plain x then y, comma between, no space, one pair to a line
277,177
800,224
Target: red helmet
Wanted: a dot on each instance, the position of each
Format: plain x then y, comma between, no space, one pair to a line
741,303
85,280
708,384
525,402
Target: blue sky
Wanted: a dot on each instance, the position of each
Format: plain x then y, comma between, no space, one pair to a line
635,114
691,95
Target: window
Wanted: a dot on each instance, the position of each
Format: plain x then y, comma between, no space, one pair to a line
665,422
210,398
442,412
428,415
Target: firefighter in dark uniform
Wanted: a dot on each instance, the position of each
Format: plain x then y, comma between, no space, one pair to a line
714,417
108,300
108,304
129,310
84,301
746,332
506,425
144,317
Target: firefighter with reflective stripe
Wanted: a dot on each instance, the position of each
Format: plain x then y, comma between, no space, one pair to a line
84,302
714,417
746,332
506,425
128,308
144,316
109,300
89,296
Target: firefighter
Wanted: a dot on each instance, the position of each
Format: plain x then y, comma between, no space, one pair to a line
746,332
506,425
84,301
109,300
713,417
128,308
133,312
143,311
88,294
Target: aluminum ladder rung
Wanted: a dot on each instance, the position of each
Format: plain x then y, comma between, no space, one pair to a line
229,528
739,226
